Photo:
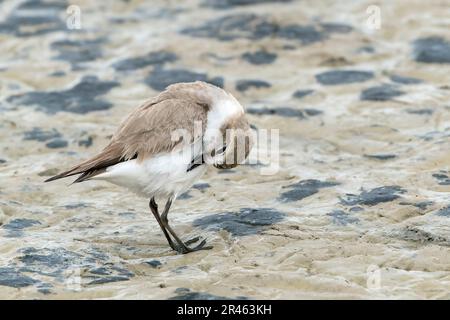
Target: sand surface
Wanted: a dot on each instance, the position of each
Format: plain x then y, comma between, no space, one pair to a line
359,207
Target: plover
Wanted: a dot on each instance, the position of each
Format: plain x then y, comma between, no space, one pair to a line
166,144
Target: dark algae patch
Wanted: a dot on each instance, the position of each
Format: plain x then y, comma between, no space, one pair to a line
305,34
108,279
11,277
432,50
61,263
422,205
383,157
226,4
342,218
251,26
187,294
154,263
159,79
304,189
38,134
405,80
444,212
423,111
15,227
78,51
285,112
332,27
412,233
82,98
259,57
299,94
244,85
337,77
152,58
34,18
245,222
442,178
374,196
57,143
19,224
233,27
201,186
380,93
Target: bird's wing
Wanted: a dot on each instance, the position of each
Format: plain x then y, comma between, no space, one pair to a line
146,132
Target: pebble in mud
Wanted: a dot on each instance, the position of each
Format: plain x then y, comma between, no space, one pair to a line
374,196
153,58
432,50
245,222
82,98
337,77
159,78
304,189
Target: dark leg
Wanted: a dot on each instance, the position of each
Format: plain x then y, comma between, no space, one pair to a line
182,247
154,209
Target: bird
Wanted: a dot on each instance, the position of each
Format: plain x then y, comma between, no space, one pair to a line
167,143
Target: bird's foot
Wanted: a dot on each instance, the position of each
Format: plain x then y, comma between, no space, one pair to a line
183,247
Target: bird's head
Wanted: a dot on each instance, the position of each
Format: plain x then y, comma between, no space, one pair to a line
237,141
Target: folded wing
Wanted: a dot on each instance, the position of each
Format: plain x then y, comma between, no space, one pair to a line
157,126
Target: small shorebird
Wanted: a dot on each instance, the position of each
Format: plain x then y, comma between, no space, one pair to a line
164,145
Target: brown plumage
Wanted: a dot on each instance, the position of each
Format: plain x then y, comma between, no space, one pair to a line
148,129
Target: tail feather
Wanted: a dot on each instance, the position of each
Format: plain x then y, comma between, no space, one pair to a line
62,175
91,167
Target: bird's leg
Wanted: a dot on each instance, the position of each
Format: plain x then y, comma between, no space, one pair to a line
182,247
154,208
